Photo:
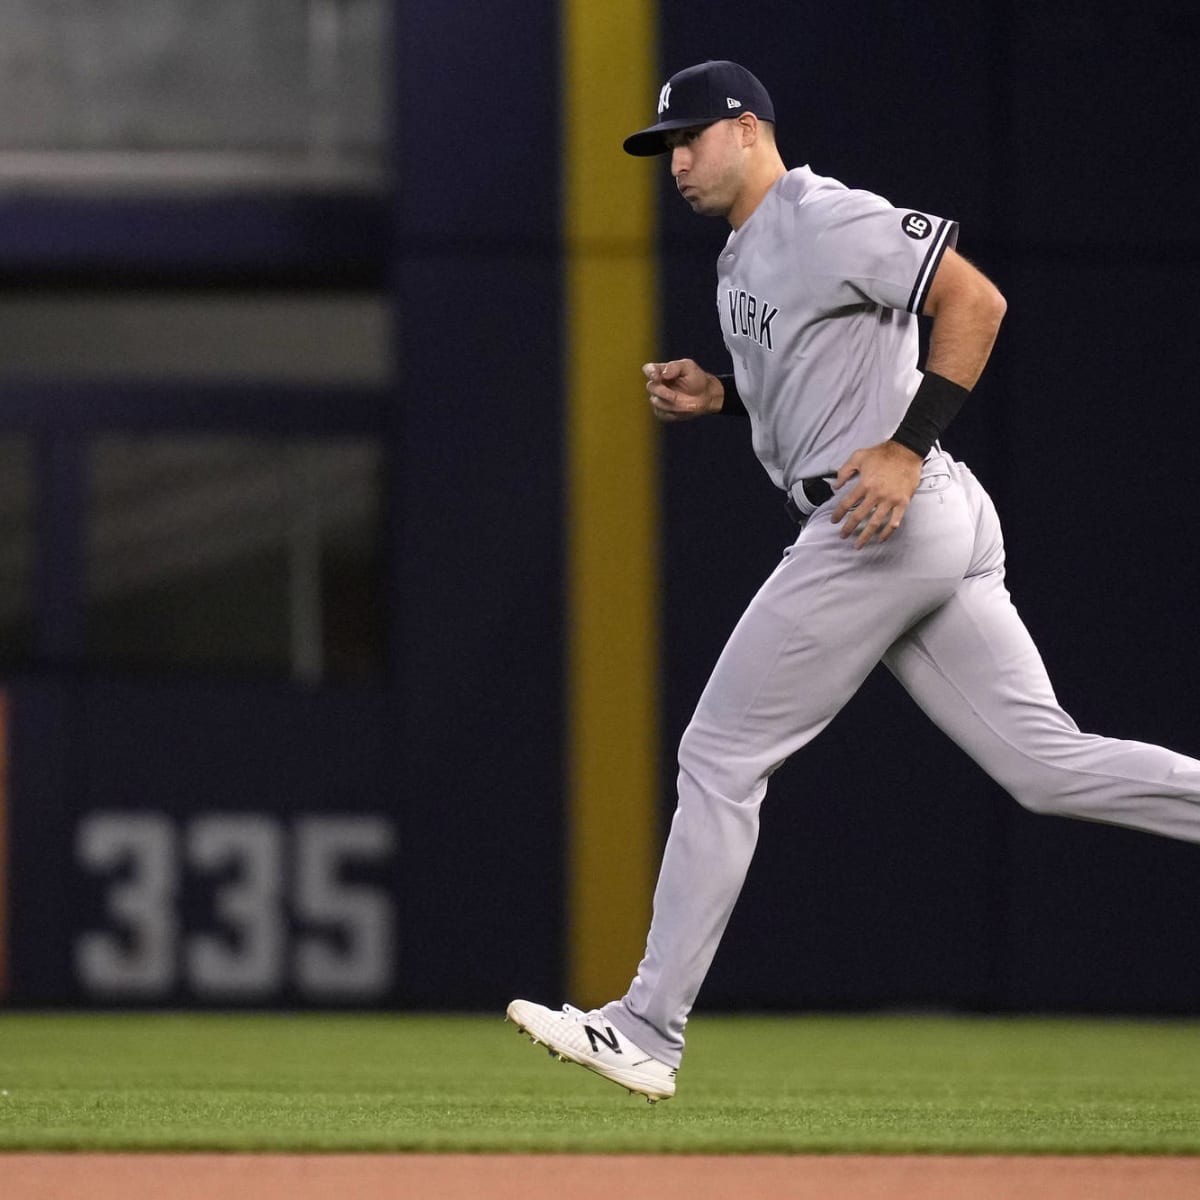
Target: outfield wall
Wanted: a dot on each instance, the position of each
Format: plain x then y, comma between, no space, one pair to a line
418,835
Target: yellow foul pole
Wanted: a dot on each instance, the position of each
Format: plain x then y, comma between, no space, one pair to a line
610,68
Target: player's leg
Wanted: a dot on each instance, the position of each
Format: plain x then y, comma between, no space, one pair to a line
974,669
814,631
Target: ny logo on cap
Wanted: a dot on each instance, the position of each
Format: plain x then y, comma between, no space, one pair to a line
664,99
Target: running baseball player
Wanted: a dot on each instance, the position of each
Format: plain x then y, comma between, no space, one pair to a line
899,556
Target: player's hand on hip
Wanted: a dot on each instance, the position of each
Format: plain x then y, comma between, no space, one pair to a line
681,390
884,480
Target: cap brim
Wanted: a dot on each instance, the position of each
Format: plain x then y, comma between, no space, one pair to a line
648,142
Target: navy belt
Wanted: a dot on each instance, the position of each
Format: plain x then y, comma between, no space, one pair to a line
816,492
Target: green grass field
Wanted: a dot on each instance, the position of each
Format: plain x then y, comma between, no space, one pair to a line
758,1085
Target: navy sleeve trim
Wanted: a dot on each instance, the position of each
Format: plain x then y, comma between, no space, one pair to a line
947,231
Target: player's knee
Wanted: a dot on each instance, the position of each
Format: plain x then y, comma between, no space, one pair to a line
1051,802
715,766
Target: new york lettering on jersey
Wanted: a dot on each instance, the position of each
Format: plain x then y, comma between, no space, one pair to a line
751,317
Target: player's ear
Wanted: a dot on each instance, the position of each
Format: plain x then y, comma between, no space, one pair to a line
748,128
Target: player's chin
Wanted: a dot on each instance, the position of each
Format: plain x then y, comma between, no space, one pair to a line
701,206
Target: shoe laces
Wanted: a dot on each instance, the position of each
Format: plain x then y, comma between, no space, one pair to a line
578,1015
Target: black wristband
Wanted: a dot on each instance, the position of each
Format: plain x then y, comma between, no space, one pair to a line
732,405
933,407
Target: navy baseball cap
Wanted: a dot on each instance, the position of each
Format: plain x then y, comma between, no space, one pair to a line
701,95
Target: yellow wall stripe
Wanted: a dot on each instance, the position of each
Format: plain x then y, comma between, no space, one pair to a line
610,66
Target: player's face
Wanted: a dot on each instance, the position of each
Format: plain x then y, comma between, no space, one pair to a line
708,166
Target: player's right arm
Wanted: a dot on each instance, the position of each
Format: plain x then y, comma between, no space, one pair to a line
680,390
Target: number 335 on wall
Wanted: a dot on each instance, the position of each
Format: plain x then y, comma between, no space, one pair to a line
243,906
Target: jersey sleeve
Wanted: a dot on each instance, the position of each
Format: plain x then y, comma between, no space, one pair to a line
869,248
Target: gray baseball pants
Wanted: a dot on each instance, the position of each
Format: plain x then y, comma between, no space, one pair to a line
931,604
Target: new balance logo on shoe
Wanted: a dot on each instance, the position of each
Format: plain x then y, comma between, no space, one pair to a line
609,1038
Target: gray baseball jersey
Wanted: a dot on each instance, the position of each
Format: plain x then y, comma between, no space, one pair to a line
827,326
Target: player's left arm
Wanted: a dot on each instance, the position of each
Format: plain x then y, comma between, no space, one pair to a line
967,309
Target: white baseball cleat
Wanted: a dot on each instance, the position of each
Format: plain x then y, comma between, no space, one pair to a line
588,1039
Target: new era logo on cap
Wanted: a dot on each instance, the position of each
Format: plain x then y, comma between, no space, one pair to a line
701,95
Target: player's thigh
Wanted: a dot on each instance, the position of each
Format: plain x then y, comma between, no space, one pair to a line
974,669
819,625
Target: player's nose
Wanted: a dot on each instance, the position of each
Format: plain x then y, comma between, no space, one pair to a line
679,161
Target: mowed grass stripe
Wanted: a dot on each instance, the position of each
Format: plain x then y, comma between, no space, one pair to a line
767,1085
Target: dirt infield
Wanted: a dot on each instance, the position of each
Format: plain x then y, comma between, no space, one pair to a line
589,1177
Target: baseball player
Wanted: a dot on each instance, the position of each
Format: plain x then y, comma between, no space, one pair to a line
899,556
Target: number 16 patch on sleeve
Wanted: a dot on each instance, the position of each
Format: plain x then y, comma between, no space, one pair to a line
917,226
